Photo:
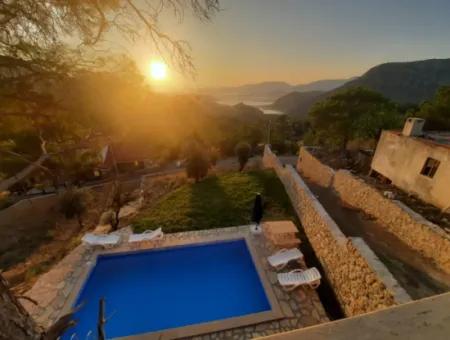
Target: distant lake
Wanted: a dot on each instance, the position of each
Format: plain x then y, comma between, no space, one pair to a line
260,104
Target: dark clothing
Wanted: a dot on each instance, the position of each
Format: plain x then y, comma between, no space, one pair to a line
258,209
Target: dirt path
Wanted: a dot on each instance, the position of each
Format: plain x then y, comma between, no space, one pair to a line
415,273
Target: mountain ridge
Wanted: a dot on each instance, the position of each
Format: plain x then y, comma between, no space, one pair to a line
269,90
409,82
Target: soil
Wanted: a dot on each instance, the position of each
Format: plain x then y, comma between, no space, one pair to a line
33,255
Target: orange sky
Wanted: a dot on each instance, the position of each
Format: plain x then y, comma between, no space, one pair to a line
301,41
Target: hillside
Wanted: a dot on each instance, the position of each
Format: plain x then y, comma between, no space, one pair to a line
406,82
297,103
268,91
321,85
402,82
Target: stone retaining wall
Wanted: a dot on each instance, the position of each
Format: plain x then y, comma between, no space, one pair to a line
417,232
357,286
311,168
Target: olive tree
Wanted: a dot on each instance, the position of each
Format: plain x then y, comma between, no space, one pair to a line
73,204
243,152
197,162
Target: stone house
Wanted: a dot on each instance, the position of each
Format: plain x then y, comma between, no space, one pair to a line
416,161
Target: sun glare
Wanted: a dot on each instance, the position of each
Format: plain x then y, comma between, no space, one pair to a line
158,70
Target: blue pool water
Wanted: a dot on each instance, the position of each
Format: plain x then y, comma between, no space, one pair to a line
160,289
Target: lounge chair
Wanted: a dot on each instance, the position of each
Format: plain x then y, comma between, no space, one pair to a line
281,258
101,240
298,277
148,235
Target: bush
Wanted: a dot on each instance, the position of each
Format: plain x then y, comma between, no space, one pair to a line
73,204
242,152
197,163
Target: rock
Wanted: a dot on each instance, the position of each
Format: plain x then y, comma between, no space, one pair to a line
286,309
260,327
272,277
294,305
301,295
278,292
284,323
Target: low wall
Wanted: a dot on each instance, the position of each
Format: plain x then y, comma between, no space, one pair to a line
357,286
417,232
422,319
311,168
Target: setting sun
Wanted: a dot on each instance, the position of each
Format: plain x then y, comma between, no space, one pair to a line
158,70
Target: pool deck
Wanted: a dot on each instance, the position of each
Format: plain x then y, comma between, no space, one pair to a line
56,290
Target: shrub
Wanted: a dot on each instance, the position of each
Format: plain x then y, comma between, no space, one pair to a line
73,204
197,163
242,152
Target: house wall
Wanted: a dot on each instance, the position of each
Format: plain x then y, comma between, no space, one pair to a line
358,286
401,159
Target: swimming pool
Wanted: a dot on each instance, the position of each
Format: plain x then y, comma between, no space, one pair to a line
154,290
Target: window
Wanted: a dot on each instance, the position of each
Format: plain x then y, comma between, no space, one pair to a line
430,167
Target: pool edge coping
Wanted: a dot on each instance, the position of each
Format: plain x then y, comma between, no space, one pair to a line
274,313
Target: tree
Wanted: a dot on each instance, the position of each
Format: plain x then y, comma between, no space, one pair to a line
119,199
74,204
437,111
34,56
197,162
242,151
349,114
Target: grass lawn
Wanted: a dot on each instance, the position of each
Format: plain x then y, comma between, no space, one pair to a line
218,201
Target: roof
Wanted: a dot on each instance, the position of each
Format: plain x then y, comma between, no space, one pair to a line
125,152
432,138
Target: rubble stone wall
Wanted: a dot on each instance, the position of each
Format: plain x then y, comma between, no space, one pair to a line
357,286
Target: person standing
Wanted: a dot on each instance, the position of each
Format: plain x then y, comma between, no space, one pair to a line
257,214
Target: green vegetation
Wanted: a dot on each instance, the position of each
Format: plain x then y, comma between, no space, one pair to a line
436,111
73,204
197,161
356,113
218,201
409,82
61,101
242,151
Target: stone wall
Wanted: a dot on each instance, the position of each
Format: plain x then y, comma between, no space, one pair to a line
311,168
419,233
356,285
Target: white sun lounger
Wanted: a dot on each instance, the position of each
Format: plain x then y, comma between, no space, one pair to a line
299,277
281,258
148,235
101,240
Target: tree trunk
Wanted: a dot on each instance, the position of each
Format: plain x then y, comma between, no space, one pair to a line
15,322
115,224
24,173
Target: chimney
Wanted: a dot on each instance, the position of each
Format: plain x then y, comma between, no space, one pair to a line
413,127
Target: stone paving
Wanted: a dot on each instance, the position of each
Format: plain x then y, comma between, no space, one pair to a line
56,289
